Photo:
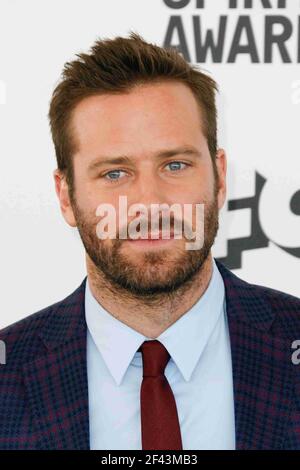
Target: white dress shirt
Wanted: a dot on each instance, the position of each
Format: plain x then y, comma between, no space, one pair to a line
199,372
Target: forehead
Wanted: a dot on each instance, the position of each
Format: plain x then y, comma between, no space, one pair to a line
166,112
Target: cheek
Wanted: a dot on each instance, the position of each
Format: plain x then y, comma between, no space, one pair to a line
199,187
195,193
89,197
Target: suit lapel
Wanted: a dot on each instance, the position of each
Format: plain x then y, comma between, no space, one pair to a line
56,382
261,367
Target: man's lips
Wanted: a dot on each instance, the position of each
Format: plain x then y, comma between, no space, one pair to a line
152,241
155,237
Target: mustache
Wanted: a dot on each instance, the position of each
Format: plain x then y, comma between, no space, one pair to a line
145,227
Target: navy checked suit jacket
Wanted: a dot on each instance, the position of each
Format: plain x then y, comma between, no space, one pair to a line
44,389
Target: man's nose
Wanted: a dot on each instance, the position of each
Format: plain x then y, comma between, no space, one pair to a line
149,190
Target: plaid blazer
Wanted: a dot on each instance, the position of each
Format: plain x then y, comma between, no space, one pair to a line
44,388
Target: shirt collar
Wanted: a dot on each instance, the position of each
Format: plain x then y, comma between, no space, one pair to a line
185,339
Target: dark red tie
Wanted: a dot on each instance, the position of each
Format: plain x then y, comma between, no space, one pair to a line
159,418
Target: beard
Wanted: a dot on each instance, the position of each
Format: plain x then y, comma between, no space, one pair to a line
147,274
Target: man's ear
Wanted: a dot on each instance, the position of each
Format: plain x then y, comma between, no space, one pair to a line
62,191
221,163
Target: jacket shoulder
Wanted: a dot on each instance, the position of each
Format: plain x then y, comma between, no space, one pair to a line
263,306
21,338
286,310
275,295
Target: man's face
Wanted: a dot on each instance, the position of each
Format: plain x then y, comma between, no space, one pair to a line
158,128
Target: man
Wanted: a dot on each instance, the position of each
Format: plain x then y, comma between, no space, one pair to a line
160,347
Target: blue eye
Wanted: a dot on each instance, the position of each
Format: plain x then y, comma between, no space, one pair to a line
113,175
175,165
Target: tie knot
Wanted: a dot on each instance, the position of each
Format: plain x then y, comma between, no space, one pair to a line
155,358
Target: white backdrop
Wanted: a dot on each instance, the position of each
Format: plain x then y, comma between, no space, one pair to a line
42,258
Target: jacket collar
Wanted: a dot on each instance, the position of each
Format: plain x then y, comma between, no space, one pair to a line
244,301
67,317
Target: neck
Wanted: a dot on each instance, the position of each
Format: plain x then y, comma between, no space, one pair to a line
148,316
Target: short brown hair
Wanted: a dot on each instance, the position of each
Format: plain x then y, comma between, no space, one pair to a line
116,66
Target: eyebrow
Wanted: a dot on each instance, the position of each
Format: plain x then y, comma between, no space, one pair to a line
125,159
